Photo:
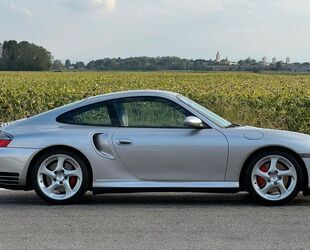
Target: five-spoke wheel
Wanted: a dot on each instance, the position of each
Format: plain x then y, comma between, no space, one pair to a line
274,177
60,177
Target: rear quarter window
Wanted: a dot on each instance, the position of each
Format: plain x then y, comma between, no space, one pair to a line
92,115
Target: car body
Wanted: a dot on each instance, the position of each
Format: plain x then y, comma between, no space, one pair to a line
140,156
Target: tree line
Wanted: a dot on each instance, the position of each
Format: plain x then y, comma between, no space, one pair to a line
143,63
31,57
24,56
175,63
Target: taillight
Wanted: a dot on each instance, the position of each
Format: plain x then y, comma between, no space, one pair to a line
5,139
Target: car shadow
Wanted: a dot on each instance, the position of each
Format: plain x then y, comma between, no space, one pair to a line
183,199
29,198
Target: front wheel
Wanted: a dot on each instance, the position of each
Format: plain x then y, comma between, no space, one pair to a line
60,177
274,177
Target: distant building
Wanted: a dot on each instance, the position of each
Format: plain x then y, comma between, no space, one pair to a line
264,60
218,57
225,61
288,60
274,60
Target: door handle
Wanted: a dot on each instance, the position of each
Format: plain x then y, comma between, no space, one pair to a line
124,141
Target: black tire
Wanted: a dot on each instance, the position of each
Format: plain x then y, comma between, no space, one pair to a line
250,186
85,180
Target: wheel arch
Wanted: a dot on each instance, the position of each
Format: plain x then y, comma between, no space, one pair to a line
305,179
29,184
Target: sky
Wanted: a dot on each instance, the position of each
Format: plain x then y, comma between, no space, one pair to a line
82,30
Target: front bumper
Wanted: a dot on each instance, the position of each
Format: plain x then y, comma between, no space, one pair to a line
14,163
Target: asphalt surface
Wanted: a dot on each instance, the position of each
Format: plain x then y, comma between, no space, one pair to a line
153,221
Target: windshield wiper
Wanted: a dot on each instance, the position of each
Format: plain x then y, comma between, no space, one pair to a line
233,125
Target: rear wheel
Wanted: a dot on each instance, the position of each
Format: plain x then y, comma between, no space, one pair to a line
60,177
274,177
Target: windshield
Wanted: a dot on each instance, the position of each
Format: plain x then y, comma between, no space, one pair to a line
219,121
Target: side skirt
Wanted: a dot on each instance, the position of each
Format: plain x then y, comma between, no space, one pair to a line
163,186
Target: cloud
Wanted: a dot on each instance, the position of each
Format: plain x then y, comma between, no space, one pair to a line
111,5
19,9
99,6
26,11
12,6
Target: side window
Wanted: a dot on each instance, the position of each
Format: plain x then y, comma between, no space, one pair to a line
95,115
150,112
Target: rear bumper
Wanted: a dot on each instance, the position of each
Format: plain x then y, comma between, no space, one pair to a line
14,163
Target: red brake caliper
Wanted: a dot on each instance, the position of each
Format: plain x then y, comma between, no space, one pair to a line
260,180
72,181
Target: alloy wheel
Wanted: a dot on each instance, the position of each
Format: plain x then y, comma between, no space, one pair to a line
274,177
60,177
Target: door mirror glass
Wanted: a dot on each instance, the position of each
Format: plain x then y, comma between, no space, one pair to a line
193,122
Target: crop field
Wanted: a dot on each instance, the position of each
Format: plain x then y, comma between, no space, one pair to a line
268,100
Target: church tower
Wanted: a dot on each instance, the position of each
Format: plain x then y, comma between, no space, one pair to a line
218,57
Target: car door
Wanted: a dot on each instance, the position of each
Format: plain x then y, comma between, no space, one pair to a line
154,144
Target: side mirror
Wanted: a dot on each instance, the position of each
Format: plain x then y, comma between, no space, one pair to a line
193,122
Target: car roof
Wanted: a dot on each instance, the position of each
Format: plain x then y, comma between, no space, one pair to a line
131,93
101,98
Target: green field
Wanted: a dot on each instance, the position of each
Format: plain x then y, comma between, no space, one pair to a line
266,100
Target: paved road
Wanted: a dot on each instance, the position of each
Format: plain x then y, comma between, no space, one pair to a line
152,221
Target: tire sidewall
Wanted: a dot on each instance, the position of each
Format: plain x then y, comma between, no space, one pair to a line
251,188
85,180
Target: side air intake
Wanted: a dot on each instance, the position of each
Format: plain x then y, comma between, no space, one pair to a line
8,178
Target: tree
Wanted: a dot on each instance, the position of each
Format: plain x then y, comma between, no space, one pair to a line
79,65
9,55
91,65
24,56
1,60
57,65
67,64
248,61
279,66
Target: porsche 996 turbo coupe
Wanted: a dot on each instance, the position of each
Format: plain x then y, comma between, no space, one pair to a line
147,140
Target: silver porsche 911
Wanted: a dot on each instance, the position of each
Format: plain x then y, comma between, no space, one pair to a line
139,141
